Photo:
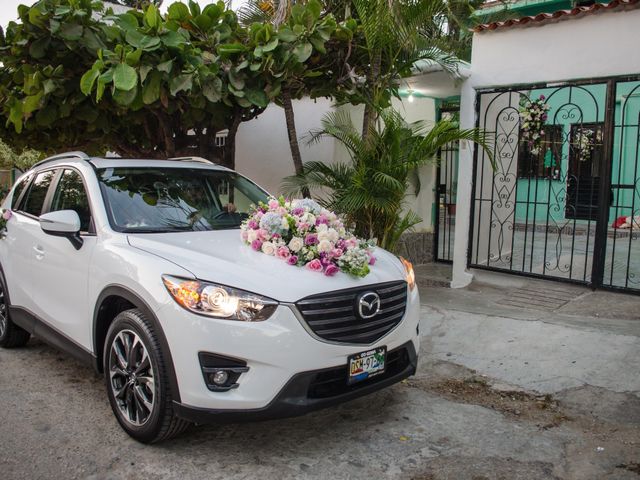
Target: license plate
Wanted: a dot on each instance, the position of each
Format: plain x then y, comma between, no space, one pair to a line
367,364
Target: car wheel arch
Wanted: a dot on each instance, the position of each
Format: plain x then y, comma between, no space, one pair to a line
114,299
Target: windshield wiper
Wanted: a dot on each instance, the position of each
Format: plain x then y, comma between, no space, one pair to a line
157,230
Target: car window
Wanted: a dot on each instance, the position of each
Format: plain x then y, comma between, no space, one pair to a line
144,200
71,195
37,193
18,190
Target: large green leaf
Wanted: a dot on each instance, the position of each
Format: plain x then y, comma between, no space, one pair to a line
178,11
125,97
181,83
236,80
230,48
125,77
303,51
142,41
257,97
165,67
172,39
151,90
88,80
286,35
38,49
71,31
212,90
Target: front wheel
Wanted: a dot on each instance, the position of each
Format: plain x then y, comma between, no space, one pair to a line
11,335
137,380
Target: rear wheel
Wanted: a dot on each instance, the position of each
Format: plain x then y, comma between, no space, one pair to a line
137,380
11,335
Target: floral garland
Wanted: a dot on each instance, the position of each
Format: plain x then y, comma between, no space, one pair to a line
587,140
533,115
4,218
303,233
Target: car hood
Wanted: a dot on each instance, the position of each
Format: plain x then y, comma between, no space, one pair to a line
221,257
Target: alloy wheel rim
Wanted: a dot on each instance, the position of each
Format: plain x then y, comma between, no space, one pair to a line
3,313
131,378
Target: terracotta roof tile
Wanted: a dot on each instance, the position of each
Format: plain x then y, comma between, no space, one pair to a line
545,17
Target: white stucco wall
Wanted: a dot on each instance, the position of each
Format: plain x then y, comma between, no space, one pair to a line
591,46
262,144
263,154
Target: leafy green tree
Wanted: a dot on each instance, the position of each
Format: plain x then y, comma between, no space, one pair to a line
370,189
10,159
140,4
74,75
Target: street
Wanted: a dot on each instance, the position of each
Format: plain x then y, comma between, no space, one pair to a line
502,392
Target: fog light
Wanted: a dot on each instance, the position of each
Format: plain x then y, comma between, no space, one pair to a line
220,377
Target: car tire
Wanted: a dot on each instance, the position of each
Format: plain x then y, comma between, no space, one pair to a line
11,335
137,380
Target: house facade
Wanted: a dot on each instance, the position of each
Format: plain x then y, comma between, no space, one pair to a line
558,195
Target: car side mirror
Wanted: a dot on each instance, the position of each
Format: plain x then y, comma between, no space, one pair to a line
63,223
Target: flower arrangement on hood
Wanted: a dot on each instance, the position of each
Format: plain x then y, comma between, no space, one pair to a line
302,233
533,115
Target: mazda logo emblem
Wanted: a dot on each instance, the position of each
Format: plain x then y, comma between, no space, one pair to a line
368,305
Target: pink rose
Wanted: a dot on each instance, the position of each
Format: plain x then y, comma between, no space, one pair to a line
273,204
6,215
244,235
314,265
311,239
337,252
372,260
283,252
252,224
331,270
292,260
256,245
263,235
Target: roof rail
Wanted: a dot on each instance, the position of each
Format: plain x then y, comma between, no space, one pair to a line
193,159
80,155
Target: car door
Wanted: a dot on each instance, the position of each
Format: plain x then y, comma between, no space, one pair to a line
60,274
22,232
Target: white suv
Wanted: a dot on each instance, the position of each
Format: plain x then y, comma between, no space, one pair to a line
98,251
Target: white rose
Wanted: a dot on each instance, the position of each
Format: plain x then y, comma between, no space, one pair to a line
325,246
295,244
322,236
310,255
268,248
333,235
252,235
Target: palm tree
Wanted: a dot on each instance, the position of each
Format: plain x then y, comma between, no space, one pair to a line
370,189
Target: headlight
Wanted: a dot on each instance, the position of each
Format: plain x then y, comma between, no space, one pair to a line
219,301
410,274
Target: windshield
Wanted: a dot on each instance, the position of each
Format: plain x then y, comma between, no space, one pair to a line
151,200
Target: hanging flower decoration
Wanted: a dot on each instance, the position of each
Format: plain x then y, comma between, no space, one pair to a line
4,218
533,115
587,140
302,233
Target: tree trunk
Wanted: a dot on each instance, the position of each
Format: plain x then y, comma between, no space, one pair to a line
370,112
229,160
289,116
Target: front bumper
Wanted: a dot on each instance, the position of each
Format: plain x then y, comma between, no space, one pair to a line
309,391
278,352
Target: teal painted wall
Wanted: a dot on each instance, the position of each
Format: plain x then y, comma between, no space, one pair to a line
544,200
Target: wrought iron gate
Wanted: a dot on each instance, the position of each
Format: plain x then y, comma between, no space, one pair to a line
446,194
562,198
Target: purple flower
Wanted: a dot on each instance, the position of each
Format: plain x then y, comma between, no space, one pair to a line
6,215
297,211
340,244
252,224
331,270
256,245
322,219
311,239
292,260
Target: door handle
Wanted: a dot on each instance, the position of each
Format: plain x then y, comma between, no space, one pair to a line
39,252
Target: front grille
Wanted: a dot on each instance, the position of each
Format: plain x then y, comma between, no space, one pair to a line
334,382
334,316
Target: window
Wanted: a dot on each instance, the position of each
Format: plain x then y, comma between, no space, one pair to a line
152,200
37,193
586,150
71,195
18,191
547,162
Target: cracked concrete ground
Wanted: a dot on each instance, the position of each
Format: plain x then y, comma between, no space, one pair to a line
501,393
